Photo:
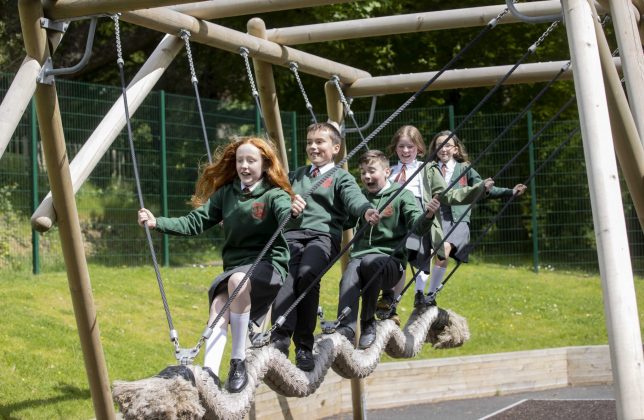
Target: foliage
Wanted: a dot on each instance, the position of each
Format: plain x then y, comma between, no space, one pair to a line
508,309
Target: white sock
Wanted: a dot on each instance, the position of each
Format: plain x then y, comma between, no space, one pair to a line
215,345
421,281
239,330
437,276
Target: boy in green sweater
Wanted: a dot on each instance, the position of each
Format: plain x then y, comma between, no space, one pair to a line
314,237
377,260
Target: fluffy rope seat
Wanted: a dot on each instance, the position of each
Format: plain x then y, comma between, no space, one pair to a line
188,392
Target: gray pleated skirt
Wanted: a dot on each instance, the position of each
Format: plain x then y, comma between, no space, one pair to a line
265,283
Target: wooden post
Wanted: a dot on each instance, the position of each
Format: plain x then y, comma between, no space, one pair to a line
630,49
267,95
627,142
334,110
53,143
620,306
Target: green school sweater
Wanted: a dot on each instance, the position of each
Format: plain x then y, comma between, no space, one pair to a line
472,178
249,222
433,184
398,218
329,206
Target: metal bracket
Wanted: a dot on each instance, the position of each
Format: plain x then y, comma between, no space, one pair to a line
54,25
260,339
329,327
531,19
372,112
48,72
185,357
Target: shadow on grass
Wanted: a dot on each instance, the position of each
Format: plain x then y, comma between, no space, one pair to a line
67,392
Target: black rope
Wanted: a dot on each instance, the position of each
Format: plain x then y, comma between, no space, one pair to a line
360,231
173,333
185,35
282,224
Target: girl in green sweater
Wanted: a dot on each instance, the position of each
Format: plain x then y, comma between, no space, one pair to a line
248,190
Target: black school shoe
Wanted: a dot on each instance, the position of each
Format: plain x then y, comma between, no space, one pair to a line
237,377
304,360
367,334
346,332
419,299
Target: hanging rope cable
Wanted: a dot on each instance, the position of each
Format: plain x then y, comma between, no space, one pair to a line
347,107
174,336
282,318
185,35
428,159
293,66
243,51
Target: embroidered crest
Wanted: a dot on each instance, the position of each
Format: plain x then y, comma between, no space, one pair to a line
328,182
388,211
257,210
462,181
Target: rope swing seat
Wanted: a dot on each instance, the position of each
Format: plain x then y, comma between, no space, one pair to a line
187,391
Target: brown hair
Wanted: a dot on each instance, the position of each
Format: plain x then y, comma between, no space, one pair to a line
407,131
461,152
334,132
223,170
374,155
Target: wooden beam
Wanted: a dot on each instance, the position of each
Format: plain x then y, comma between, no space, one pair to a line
459,79
409,23
208,33
66,9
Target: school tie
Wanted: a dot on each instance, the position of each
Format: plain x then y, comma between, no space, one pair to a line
315,172
444,170
246,190
402,175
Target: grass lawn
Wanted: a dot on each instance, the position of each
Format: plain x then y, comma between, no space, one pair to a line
42,372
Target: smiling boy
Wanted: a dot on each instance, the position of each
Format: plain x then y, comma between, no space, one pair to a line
314,237
377,260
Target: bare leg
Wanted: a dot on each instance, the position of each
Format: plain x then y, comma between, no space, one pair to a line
239,314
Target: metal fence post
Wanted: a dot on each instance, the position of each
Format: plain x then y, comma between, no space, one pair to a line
450,115
533,200
164,176
35,239
294,140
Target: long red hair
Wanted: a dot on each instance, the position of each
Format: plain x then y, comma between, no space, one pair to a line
223,170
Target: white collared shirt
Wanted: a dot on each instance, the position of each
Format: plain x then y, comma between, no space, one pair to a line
324,168
251,187
451,164
416,184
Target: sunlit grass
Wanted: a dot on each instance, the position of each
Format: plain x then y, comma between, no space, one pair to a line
42,371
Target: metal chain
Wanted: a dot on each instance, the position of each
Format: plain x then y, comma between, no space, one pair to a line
244,53
185,35
293,66
117,33
543,36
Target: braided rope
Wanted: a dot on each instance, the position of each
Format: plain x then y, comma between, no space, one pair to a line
172,396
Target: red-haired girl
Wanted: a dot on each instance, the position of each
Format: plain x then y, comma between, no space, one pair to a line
248,190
